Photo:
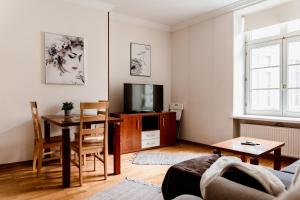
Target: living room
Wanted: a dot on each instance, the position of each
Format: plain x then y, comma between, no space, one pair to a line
178,86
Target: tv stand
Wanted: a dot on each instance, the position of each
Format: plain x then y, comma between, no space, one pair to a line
140,131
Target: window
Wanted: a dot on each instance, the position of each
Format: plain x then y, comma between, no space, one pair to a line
293,26
293,75
265,32
264,78
273,70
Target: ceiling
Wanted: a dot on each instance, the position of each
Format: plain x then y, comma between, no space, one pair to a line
167,12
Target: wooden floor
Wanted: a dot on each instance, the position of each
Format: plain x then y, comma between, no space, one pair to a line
18,182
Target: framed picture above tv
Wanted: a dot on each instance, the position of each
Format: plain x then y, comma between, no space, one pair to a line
140,59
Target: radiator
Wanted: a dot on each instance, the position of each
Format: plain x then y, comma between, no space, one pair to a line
290,136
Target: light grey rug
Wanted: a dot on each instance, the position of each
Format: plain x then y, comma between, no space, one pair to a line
157,158
130,190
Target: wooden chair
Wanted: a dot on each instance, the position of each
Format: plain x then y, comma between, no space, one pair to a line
92,139
40,144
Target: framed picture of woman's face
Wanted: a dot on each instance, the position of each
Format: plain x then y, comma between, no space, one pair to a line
64,59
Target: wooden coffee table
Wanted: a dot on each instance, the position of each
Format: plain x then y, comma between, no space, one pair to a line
255,152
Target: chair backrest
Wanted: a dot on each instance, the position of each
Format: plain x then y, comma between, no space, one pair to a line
36,121
101,109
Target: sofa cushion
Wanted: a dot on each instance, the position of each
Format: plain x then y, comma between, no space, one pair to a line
291,168
294,191
238,176
296,179
286,178
224,189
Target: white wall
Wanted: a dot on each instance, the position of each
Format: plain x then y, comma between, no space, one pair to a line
202,79
122,33
22,70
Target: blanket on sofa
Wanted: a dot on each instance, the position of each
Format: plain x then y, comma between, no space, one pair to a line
269,181
184,177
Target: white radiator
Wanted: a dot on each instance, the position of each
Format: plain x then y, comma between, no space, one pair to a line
290,136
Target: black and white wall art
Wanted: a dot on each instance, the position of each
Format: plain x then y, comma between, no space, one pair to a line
64,59
140,59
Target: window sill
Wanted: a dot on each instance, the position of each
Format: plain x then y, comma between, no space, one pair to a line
293,120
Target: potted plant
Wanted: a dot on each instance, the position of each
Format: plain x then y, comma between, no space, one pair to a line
67,107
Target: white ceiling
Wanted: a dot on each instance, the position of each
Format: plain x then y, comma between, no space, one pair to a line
168,12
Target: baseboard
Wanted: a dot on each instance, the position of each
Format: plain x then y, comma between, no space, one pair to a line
14,164
195,143
26,162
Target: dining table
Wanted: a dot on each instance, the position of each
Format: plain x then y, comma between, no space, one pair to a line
65,122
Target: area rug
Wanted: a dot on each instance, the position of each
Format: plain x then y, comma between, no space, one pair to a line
158,158
130,190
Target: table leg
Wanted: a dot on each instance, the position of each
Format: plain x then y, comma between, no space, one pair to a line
47,130
277,159
217,151
117,149
254,161
47,135
243,158
66,168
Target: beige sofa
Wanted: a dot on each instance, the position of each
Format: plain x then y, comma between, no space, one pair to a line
224,189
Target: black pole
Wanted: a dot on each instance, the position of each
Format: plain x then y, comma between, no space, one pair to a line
108,54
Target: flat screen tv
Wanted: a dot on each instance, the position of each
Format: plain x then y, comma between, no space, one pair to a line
143,98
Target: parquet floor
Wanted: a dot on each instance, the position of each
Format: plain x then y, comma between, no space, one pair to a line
18,182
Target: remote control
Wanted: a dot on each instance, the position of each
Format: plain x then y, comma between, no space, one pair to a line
249,143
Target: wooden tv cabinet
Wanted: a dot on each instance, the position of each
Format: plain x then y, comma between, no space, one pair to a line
141,131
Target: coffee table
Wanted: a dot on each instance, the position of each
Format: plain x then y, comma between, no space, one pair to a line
254,152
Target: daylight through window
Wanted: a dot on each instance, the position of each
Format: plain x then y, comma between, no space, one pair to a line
273,70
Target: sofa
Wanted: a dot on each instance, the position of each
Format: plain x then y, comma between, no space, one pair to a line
224,189
184,178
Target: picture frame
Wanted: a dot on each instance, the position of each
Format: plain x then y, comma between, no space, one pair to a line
140,59
64,59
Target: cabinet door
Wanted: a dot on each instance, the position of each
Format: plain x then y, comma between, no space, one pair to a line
168,129
131,129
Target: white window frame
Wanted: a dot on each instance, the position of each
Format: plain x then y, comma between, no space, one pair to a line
248,80
285,76
283,40
266,39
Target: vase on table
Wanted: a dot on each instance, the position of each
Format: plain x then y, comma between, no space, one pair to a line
67,112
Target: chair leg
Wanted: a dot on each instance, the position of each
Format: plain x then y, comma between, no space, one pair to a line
84,159
40,158
105,158
75,157
35,157
80,169
94,161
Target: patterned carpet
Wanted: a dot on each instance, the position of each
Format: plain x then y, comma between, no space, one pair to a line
154,158
130,190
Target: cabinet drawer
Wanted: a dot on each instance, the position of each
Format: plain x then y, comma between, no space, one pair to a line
150,143
146,135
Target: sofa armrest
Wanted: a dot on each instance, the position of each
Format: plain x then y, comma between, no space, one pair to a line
224,189
187,197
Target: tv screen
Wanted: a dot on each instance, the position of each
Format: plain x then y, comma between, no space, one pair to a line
143,98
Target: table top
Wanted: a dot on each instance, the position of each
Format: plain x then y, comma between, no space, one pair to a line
73,120
235,146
